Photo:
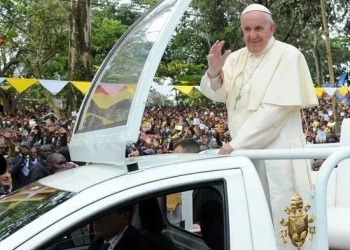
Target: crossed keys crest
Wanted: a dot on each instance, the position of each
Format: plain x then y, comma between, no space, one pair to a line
297,223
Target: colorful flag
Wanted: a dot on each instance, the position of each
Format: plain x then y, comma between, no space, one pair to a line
342,80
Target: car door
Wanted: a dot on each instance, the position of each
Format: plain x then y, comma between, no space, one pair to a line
236,229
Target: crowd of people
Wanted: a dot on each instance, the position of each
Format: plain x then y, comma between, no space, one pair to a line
162,126
28,137
35,143
319,123
34,133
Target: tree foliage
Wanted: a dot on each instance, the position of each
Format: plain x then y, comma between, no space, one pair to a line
298,23
36,37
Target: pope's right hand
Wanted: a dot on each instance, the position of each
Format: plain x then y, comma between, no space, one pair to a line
216,60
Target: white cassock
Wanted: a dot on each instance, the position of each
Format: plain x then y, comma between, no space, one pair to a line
271,87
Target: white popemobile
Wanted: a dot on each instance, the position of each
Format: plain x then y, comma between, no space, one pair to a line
223,194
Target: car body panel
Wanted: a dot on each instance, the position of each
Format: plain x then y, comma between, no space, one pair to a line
92,201
80,178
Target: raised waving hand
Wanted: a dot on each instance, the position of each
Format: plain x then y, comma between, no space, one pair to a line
216,59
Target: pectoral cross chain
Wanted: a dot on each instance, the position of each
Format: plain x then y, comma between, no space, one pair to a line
237,100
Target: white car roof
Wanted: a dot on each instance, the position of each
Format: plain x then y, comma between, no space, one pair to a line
80,178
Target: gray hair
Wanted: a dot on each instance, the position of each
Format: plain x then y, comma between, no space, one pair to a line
269,18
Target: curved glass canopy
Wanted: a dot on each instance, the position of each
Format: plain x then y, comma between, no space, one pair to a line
111,113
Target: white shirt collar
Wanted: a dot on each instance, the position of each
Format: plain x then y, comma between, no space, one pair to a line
114,241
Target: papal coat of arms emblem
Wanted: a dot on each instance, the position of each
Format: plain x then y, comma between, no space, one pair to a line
298,222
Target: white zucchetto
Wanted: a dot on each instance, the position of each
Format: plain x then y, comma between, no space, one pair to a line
256,7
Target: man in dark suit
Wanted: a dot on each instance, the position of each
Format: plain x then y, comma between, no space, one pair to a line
39,169
22,164
114,232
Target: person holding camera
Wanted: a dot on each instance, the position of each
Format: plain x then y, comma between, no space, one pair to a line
21,166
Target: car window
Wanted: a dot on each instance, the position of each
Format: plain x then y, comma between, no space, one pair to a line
80,238
183,209
27,204
156,221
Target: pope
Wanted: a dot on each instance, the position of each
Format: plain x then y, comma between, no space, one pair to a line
264,86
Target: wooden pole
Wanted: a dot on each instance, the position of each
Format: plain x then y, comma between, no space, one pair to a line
330,64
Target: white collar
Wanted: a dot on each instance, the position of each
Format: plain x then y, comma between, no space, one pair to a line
114,241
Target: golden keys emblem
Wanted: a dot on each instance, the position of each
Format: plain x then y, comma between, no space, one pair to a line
298,222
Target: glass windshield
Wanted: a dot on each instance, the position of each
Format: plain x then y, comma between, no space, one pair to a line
27,204
109,102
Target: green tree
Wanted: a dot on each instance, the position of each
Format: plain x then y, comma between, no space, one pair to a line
36,41
34,38
195,99
108,25
298,23
156,99
180,71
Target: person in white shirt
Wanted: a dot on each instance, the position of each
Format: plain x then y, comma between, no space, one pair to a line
264,86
